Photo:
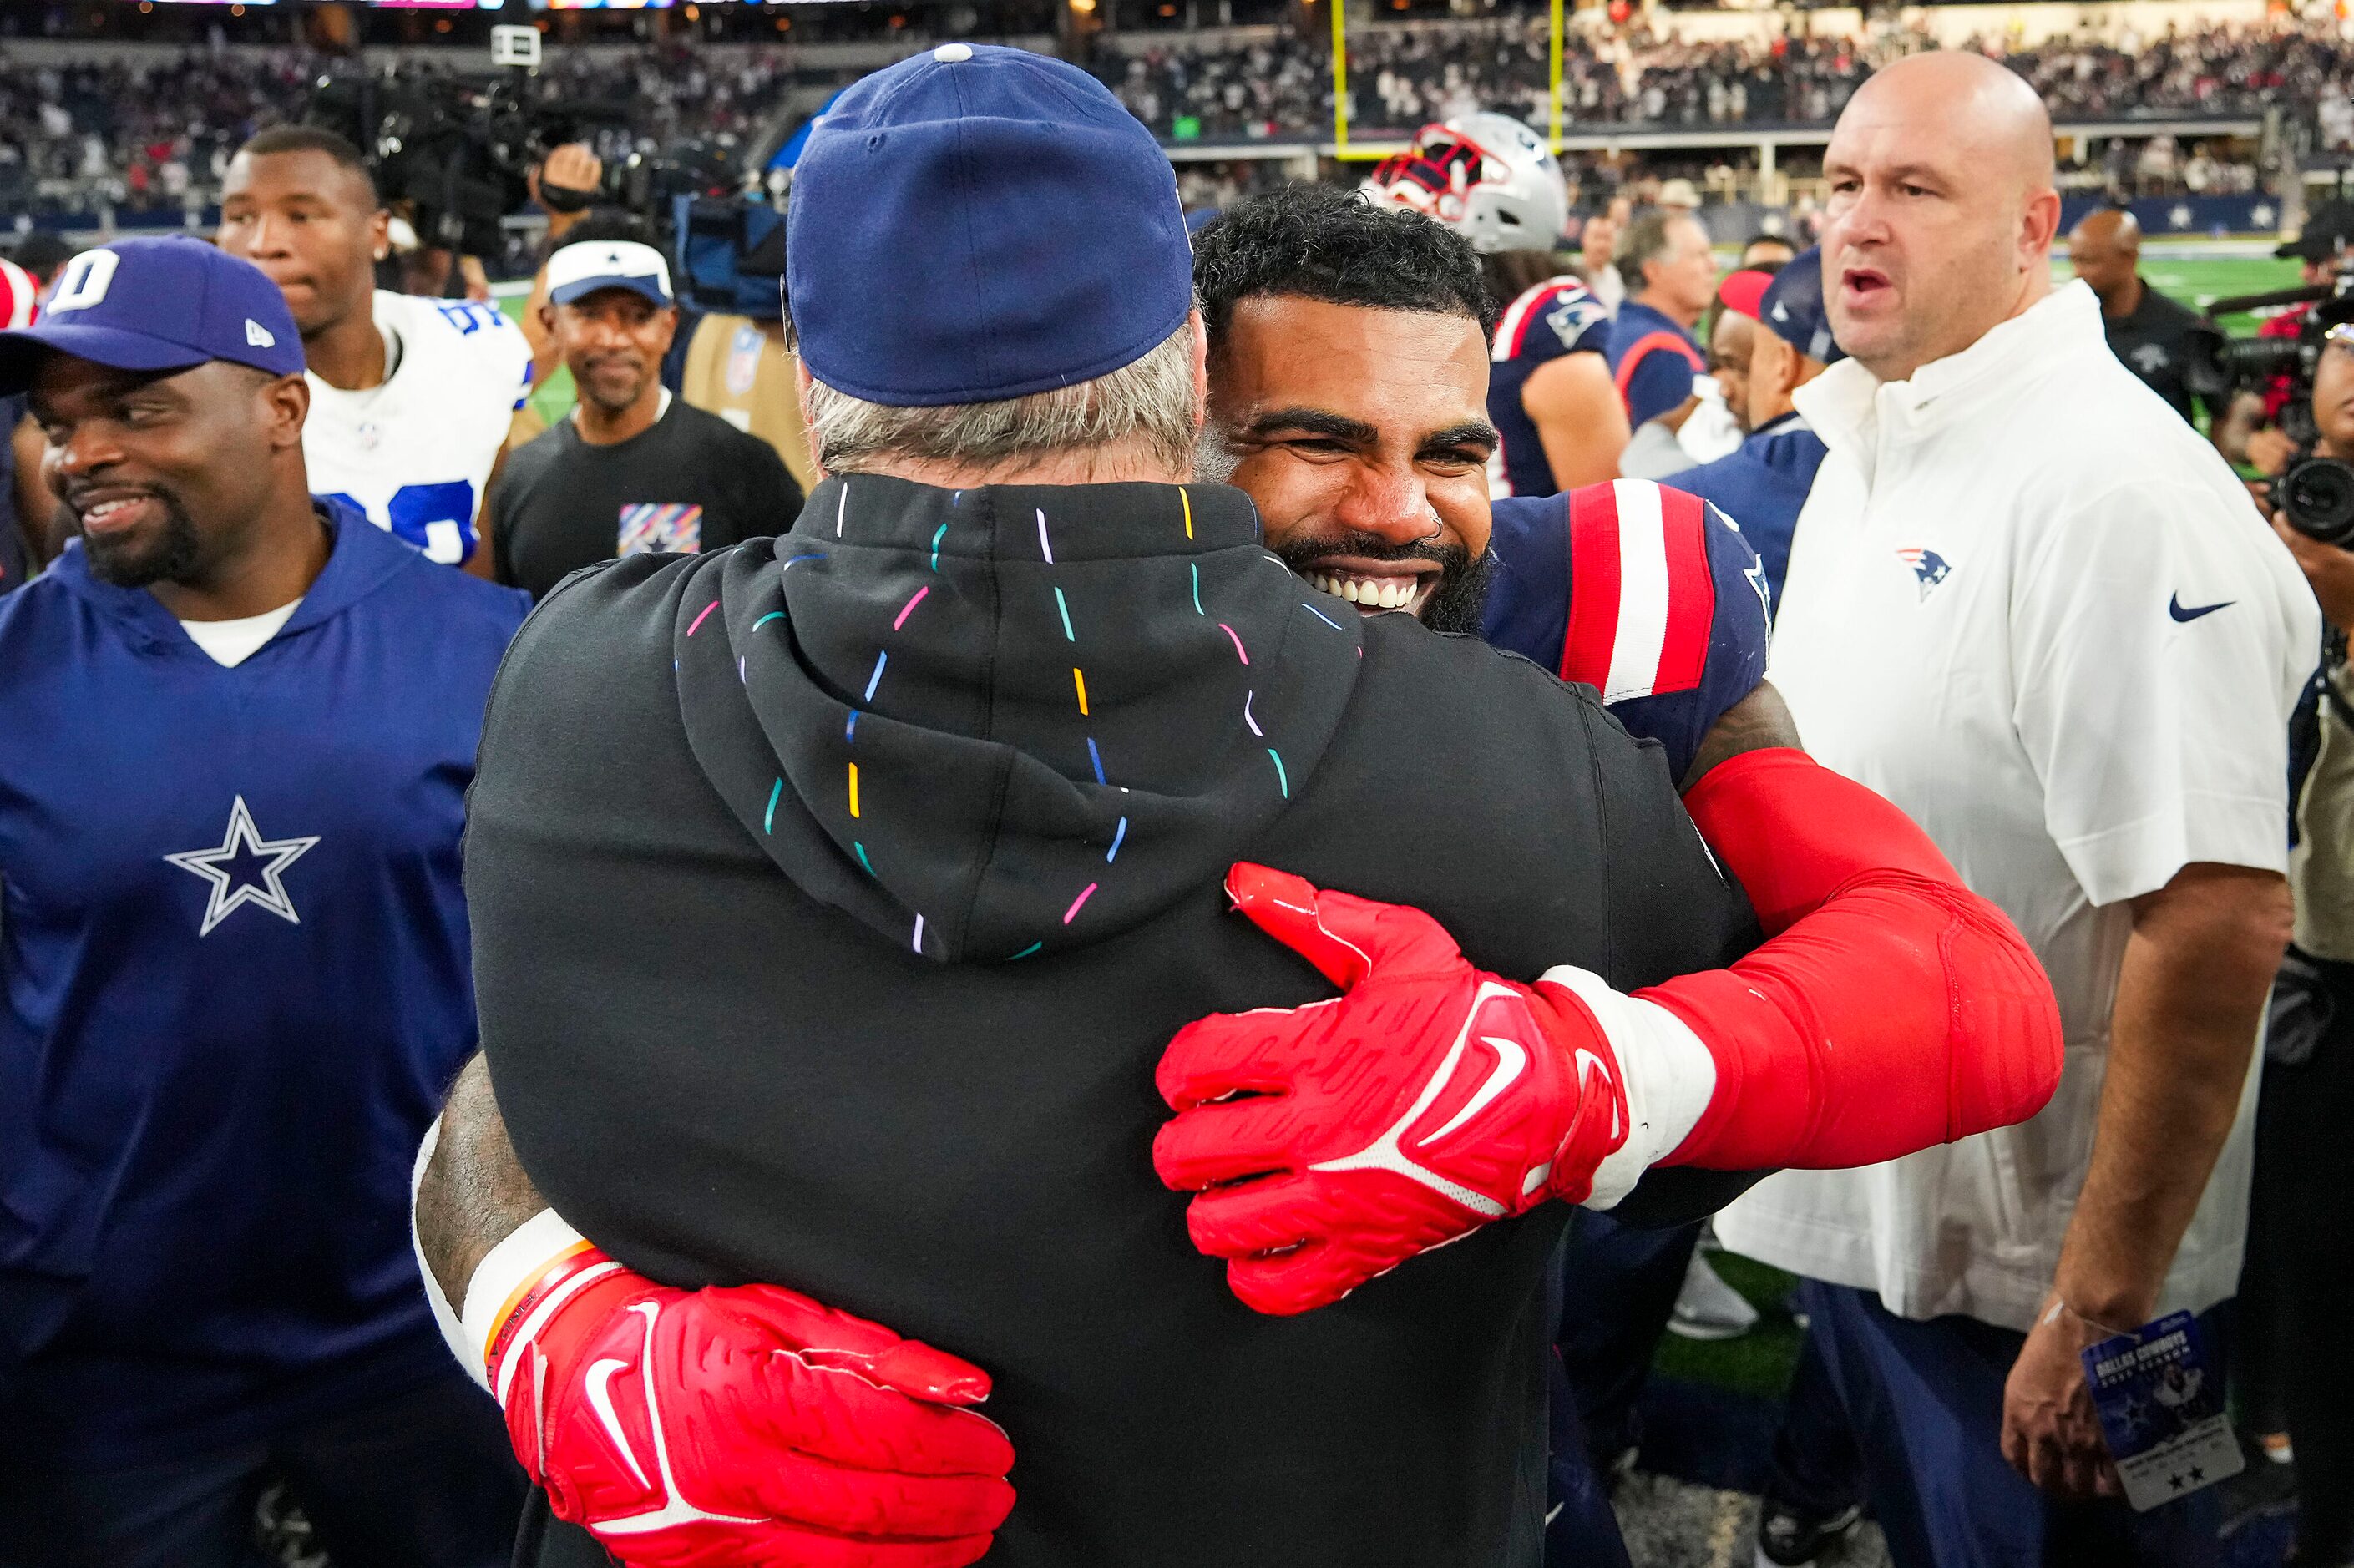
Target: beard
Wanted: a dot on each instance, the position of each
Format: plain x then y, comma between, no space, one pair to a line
169,554
595,389
1455,603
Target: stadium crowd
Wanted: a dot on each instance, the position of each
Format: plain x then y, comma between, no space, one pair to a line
157,136
101,132
904,929
1402,77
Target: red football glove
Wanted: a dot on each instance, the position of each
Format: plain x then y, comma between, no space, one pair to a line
1331,1143
1892,1009
744,1424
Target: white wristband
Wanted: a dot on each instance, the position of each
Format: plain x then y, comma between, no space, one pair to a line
445,1317
1668,1074
522,1256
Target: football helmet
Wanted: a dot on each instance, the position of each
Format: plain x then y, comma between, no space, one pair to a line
1487,175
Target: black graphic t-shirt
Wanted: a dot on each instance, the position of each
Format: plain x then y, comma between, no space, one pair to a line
691,483
2149,341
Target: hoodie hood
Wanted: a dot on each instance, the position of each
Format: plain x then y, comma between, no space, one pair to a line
993,723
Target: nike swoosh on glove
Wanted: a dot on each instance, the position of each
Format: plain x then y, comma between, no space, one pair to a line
1330,1143
741,1425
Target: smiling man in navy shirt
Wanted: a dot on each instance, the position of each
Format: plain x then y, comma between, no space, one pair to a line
237,726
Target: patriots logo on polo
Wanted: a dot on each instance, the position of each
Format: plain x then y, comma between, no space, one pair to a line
246,869
654,526
1928,566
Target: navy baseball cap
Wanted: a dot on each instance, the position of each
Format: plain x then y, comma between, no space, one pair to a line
1792,307
979,223
166,303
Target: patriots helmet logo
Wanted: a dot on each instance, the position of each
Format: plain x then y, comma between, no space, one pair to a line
1929,567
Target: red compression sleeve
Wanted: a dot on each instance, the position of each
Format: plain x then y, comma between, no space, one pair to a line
1892,1008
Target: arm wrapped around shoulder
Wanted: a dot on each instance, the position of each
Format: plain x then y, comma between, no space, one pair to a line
1902,1012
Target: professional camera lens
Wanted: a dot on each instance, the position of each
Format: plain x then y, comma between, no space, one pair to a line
2317,495
2213,363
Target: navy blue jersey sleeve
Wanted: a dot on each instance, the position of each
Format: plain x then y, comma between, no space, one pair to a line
1659,383
1647,594
1552,319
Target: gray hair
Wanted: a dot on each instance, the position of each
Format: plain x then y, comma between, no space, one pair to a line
1148,399
1647,239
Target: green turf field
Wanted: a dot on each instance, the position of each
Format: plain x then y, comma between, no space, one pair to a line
2197,280
553,397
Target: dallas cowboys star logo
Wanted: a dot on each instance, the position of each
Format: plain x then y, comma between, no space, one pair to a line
245,870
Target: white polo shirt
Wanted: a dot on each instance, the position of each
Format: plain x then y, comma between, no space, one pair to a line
2029,605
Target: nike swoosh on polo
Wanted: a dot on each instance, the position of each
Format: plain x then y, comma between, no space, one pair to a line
2174,608
1511,1061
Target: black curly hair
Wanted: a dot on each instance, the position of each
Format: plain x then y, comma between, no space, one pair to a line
1319,242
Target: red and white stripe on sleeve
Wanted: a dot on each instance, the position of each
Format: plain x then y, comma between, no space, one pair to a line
1642,600
1513,326
19,297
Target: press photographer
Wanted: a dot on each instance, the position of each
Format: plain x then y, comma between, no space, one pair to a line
2263,422
2289,1294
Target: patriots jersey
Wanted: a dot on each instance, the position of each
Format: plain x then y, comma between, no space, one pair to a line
1763,486
1646,594
414,454
1558,316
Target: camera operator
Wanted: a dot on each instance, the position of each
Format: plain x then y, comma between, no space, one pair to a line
2250,432
2308,1089
566,186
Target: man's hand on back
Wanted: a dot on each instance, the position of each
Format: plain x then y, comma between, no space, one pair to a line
1891,1008
745,1424
735,1425
1331,1143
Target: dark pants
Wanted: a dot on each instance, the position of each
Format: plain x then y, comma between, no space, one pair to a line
1924,1401
1816,1470
423,1479
1581,1529
1618,1288
2301,1246
1617,1285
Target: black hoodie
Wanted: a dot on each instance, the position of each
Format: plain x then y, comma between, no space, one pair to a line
834,897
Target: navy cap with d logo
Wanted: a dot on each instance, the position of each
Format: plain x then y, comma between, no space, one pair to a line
166,303
979,223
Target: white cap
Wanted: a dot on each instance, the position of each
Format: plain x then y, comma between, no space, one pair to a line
581,269
1678,193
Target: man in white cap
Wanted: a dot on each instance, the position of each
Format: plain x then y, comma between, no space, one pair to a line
631,469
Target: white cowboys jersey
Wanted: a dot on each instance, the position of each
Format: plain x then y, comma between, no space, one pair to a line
415,453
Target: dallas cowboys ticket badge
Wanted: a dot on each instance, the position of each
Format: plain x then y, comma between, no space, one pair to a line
2161,1409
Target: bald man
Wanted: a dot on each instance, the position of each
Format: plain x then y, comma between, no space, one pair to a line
2145,328
2030,606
